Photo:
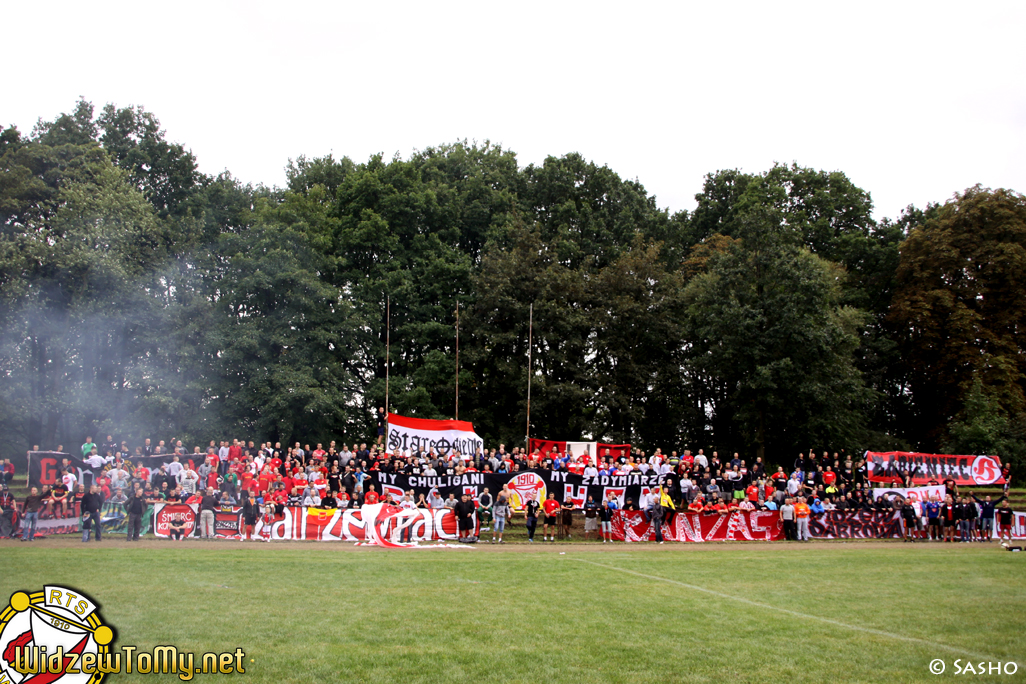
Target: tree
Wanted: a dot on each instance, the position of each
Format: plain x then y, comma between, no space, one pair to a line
765,329
960,308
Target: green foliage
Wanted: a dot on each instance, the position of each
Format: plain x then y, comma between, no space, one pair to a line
141,297
960,307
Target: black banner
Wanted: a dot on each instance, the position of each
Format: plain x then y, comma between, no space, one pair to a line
523,486
855,525
44,467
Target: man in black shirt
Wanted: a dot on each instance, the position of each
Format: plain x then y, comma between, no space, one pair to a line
135,508
591,512
531,509
92,503
464,510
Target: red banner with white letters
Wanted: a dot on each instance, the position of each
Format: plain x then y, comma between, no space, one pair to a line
632,526
890,466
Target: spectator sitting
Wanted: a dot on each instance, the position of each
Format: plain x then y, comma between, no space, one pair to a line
119,496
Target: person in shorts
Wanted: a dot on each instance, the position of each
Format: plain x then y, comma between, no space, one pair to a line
551,507
500,511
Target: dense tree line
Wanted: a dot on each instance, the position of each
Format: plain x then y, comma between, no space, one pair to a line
141,297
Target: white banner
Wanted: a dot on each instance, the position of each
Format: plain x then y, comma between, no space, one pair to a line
913,493
443,436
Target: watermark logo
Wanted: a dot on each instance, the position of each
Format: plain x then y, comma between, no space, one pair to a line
58,635
57,632
966,667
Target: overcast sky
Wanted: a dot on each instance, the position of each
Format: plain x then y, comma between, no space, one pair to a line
913,101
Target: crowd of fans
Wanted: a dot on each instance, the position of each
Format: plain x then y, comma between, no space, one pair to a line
265,478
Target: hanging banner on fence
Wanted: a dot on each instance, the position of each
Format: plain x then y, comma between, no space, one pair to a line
586,450
523,485
442,436
935,492
164,513
1018,530
964,470
228,522
49,526
633,526
855,525
350,524
113,518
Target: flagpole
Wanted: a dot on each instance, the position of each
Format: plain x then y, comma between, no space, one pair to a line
530,370
457,360
388,344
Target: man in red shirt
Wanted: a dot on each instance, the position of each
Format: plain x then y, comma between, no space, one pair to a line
371,497
551,507
829,476
752,493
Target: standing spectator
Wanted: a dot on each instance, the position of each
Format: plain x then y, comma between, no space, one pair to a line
250,513
655,514
92,504
8,472
801,515
187,479
606,518
88,446
531,520
909,515
551,507
787,518
8,513
501,511
987,508
933,519
591,515
1005,516
135,507
464,510
484,511
207,506
33,502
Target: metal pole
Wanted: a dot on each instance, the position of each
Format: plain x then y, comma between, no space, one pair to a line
530,370
457,360
388,344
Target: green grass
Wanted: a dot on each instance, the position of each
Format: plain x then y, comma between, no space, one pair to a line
328,612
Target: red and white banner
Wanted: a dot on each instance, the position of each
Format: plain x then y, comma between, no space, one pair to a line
931,493
351,524
163,513
632,526
889,466
442,436
586,450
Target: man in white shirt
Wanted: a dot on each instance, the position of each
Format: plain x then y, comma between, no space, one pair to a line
701,460
591,470
174,467
187,480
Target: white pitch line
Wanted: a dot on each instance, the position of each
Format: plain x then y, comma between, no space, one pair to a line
804,616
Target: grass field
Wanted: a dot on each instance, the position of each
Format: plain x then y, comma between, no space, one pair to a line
743,612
